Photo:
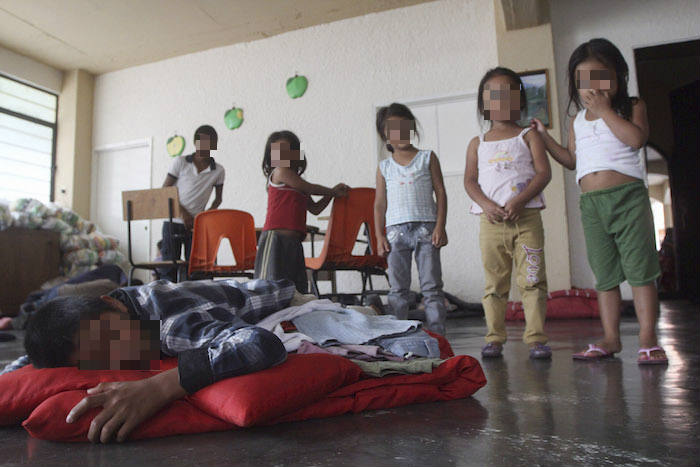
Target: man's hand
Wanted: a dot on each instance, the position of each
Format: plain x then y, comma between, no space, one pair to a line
494,213
513,209
126,404
383,246
439,237
187,218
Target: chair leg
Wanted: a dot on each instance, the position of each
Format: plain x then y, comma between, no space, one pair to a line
314,283
131,276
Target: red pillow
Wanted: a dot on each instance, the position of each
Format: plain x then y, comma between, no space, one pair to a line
24,389
48,420
303,379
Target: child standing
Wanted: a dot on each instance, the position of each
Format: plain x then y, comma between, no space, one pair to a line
414,221
507,169
604,141
280,252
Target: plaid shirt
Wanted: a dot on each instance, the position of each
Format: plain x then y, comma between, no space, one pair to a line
207,325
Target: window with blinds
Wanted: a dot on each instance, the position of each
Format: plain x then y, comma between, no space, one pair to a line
27,141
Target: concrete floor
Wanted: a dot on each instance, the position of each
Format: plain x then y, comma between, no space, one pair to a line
558,413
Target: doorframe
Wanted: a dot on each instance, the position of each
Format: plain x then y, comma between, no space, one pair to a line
146,142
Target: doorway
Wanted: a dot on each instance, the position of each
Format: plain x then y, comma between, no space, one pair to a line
668,76
116,168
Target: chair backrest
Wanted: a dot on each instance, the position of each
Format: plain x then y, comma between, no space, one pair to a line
348,216
212,226
151,204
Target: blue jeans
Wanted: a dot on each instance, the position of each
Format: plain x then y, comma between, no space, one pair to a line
405,239
180,236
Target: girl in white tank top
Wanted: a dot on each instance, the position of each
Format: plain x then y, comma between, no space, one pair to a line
604,141
507,169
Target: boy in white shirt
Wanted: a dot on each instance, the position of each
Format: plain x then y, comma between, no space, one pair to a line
194,176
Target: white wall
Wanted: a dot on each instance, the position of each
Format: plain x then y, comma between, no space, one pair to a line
629,25
431,49
30,71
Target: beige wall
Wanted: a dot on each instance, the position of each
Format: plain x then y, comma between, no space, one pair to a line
30,71
74,142
525,50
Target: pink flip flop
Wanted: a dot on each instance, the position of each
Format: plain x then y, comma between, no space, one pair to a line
645,357
588,354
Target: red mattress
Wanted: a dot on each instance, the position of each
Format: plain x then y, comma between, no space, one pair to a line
304,387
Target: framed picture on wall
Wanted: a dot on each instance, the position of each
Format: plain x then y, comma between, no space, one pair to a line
537,91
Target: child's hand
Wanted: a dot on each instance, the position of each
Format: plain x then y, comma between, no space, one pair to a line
494,213
596,101
340,190
439,237
536,124
383,246
513,209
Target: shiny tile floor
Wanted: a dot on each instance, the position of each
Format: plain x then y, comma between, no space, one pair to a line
558,413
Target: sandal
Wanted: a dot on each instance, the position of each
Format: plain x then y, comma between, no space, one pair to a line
586,355
645,357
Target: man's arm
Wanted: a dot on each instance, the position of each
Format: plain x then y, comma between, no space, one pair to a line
126,404
218,190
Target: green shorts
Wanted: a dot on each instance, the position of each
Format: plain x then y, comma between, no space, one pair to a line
619,230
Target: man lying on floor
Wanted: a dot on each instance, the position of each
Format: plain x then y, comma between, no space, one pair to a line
207,325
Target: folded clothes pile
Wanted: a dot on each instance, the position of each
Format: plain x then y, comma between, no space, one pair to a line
380,344
83,247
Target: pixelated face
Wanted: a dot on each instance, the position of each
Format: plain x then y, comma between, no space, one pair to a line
203,145
501,99
592,74
282,155
116,342
399,131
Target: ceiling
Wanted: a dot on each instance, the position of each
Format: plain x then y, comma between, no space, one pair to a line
106,35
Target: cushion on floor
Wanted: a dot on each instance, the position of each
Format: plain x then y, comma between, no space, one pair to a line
305,386
562,304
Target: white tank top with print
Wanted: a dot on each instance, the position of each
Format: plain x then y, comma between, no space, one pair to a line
505,169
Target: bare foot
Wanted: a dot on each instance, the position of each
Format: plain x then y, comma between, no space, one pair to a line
5,324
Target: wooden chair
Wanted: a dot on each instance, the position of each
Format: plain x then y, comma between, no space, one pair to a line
157,203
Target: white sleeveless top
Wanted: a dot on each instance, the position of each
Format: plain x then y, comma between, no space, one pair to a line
597,148
409,190
505,169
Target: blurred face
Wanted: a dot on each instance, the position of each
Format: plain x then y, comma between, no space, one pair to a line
399,131
203,145
501,99
282,155
114,341
592,74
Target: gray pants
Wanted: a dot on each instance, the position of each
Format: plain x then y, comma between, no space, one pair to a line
405,239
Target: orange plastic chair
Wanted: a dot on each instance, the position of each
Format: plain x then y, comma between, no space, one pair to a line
212,226
348,215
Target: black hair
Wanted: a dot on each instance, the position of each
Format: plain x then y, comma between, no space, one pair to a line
500,71
206,130
604,51
51,330
294,145
394,110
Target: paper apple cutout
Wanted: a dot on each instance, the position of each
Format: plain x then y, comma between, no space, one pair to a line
296,86
233,118
175,145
